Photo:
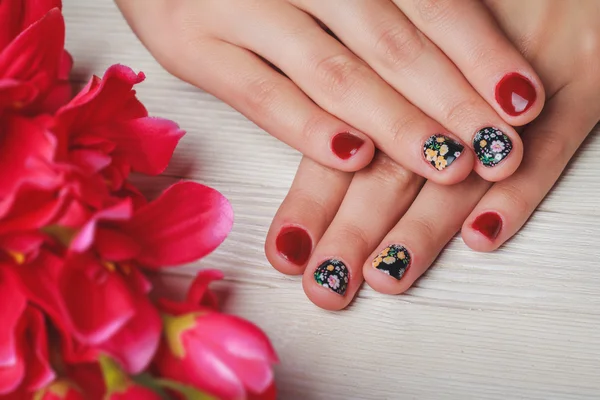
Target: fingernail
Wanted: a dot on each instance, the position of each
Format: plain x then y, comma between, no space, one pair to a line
294,244
394,260
489,224
441,151
333,275
345,145
491,146
515,94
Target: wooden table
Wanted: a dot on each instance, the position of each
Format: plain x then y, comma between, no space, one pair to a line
521,323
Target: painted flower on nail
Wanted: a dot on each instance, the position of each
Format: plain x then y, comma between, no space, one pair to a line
441,151
491,154
497,146
395,263
333,275
333,282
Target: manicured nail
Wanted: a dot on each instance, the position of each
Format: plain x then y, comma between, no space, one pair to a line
489,224
333,274
515,94
345,145
491,146
441,151
294,245
393,260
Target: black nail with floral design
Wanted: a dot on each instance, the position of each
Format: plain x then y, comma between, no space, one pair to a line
491,146
441,151
394,260
333,275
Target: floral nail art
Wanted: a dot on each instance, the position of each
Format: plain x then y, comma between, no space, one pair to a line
333,274
441,151
491,146
393,260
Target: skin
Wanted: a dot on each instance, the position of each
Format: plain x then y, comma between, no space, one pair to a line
407,69
348,220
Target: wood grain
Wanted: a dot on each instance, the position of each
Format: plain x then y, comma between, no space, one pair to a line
522,323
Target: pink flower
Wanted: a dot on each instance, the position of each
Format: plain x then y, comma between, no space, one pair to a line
220,354
34,61
106,129
497,146
27,150
333,281
187,222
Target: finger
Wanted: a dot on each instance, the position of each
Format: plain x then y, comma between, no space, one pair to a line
377,197
550,141
304,215
275,103
345,86
467,33
379,33
414,243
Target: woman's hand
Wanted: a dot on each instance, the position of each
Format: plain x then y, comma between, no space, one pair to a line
422,80
368,222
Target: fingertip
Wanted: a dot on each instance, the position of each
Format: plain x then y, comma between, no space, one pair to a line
323,297
460,169
519,96
288,247
351,152
498,154
383,283
481,231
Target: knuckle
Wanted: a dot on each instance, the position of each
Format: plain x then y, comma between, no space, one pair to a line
393,176
425,228
433,10
400,128
312,128
455,113
304,199
354,236
513,194
550,148
262,95
398,46
338,74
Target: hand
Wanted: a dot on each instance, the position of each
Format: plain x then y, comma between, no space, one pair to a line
419,78
367,221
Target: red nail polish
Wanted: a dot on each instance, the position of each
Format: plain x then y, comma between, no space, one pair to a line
489,224
345,145
294,245
515,94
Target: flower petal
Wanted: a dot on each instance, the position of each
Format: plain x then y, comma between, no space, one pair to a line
113,245
17,15
147,144
199,293
98,301
83,240
136,342
35,55
39,372
185,223
244,347
22,141
216,377
12,306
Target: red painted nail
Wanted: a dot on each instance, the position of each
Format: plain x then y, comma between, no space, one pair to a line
489,224
515,94
345,145
294,245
